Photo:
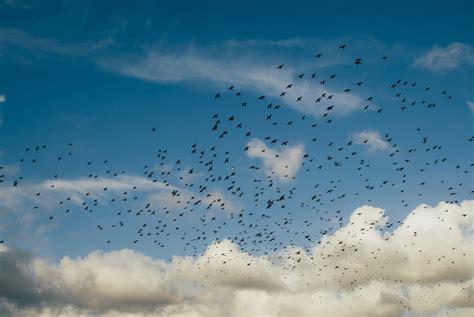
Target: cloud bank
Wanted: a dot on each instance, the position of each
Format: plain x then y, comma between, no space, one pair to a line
421,268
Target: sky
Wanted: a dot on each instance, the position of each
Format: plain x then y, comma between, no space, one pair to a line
155,160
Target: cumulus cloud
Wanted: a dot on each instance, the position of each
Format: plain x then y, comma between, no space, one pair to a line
447,58
283,163
371,139
359,270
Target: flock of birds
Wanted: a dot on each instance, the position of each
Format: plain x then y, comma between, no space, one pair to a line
271,215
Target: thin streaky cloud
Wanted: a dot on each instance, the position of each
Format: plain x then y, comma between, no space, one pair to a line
470,105
244,72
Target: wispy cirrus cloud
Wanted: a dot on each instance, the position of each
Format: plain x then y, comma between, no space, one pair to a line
232,62
439,59
29,205
49,192
470,105
235,63
16,4
12,38
3,98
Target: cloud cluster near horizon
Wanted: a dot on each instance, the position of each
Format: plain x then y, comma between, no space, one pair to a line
356,271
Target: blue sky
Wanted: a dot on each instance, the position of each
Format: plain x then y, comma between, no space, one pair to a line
93,79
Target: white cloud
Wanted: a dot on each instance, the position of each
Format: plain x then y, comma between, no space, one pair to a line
422,268
53,190
2,100
371,139
447,58
284,164
232,62
470,104
214,199
22,207
17,4
227,68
